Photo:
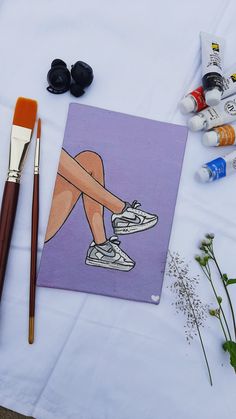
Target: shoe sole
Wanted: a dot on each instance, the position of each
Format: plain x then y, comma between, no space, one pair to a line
124,268
135,228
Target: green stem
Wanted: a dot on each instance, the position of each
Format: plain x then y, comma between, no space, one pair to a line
195,320
226,291
211,255
208,275
219,318
205,355
223,328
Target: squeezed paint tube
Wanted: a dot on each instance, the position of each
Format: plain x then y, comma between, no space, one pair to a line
212,60
218,168
214,116
195,100
220,136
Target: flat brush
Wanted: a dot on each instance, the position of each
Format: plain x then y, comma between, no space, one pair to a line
22,129
34,236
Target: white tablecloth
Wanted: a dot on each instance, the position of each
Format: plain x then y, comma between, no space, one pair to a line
97,357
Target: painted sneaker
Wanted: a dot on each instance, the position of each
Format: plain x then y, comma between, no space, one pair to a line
133,220
109,255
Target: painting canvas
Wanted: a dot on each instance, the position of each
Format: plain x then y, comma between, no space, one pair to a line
113,205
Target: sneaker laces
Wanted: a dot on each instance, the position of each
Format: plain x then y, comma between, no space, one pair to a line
135,204
116,243
114,240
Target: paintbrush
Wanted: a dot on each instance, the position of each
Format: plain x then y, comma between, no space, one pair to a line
34,236
22,129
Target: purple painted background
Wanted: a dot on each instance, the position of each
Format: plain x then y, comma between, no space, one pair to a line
142,160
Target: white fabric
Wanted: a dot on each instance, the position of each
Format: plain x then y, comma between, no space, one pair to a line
97,357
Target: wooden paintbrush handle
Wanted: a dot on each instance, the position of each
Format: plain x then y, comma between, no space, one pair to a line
34,244
7,218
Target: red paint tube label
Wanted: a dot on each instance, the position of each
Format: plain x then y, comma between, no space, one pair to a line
199,97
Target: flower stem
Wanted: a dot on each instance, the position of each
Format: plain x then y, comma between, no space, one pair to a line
226,291
223,328
195,320
204,353
208,275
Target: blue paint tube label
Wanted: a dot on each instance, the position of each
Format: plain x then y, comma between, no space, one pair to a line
217,168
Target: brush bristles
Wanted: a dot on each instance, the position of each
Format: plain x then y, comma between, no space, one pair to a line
39,129
25,113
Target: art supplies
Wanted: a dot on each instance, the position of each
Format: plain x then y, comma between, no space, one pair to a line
220,136
34,236
212,48
223,113
117,175
215,120
218,168
195,100
22,129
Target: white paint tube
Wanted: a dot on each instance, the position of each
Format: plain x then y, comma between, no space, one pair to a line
195,100
218,168
214,116
212,62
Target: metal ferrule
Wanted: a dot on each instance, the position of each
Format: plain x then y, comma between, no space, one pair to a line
20,139
36,157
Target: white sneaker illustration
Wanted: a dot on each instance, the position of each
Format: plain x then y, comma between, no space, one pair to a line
109,255
133,220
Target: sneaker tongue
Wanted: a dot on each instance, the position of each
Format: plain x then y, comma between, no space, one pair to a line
127,205
106,246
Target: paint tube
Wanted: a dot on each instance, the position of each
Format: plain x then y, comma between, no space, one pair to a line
212,61
214,116
195,100
220,136
218,168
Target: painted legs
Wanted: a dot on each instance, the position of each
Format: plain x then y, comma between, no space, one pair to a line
82,175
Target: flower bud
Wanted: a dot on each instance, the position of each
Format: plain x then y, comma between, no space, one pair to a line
203,262
206,242
210,236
